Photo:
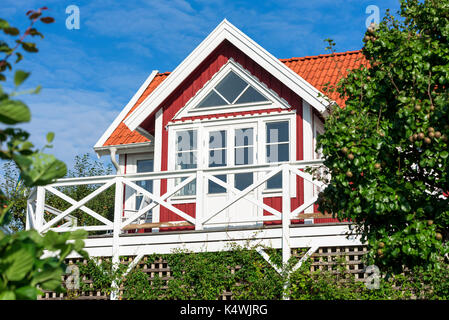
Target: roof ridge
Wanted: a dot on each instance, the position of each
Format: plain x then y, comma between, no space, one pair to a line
321,55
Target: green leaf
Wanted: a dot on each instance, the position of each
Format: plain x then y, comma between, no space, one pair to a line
40,168
20,76
47,19
19,57
14,111
20,262
11,31
3,24
29,47
47,276
27,293
7,295
50,137
444,154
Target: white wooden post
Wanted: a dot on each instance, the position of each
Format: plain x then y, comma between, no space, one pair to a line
199,200
286,251
285,215
40,205
308,149
118,211
157,163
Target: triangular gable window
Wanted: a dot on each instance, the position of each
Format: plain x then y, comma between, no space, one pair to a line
230,91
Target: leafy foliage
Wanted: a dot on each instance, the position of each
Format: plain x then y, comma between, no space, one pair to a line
23,267
244,273
103,204
387,149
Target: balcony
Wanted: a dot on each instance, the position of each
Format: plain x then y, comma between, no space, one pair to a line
200,220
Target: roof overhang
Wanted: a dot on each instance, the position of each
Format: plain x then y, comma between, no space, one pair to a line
226,31
124,112
125,148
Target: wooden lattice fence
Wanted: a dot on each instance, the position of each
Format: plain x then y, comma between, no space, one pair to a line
325,258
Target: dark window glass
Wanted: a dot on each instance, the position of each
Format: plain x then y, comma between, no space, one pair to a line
277,149
215,188
212,100
144,166
250,95
275,182
231,86
277,132
243,180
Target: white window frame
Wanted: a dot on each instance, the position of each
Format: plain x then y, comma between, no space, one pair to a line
272,98
131,167
206,125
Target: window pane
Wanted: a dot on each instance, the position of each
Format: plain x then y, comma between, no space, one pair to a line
186,160
251,95
275,182
212,100
244,155
217,158
277,131
145,165
231,86
243,180
215,188
278,152
243,137
188,190
186,140
217,139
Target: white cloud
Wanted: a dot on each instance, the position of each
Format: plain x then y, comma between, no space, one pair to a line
77,117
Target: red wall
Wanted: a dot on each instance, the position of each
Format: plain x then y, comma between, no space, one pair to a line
187,90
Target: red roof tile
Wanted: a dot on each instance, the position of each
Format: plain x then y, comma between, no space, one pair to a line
319,71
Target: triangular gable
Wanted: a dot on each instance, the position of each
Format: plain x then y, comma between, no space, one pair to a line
319,70
225,31
232,88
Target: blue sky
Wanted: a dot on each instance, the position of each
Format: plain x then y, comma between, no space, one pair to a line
88,75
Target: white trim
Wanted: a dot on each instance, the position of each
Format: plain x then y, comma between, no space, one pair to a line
226,31
131,168
126,148
273,99
157,159
123,113
259,125
307,116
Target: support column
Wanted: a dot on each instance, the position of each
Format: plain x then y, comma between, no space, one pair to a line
157,162
40,206
199,200
118,210
286,210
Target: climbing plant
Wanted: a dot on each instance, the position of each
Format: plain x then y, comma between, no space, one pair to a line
387,150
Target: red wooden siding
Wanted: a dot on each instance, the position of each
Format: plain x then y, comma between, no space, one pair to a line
195,82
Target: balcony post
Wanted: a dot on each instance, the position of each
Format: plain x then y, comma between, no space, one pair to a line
118,212
286,210
40,207
199,200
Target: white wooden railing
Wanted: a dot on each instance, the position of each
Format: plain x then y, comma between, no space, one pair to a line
118,243
37,206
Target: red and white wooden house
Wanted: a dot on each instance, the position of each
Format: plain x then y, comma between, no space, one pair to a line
214,151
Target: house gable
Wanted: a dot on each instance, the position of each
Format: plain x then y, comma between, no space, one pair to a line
225,32
232,89
320,70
